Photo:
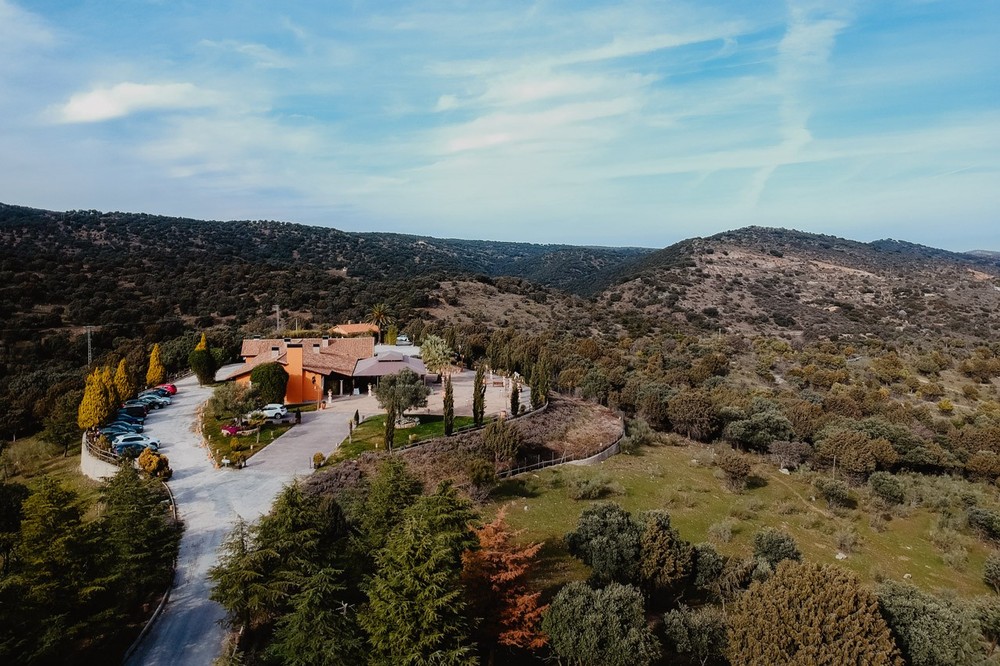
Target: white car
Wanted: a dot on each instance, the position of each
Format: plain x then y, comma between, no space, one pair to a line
402,340
274,411
137,440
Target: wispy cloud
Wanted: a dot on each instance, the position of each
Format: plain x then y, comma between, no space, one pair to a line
126,98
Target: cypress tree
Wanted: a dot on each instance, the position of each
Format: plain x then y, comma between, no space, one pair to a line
202,362
202,344
515,399
94,407
109,386
449,406
479,395
156,372
123,382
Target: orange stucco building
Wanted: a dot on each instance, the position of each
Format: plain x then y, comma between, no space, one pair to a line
315,366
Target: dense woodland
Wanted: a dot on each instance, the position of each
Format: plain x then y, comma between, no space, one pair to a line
862,367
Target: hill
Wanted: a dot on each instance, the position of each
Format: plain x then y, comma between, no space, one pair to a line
780,281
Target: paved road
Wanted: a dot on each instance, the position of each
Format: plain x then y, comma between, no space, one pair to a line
209,500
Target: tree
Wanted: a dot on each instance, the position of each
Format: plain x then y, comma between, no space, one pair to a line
319,630
665,559
539,383
156,373
139,533
270,382
396,394
692,413
124,388
12,496
479,395
61,422
991,571
709,566
809,614
759,430
515,399
379,315
202,362
436,354
608,539
700,633
929,630
108,384
605,627
495,577
502,440
736,467
416,611
95,407
773,546
392,490
887,488
449,406
237,581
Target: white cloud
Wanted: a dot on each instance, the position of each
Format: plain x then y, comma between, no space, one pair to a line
126,98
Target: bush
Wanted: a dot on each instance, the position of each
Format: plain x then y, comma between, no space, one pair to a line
736,467
482,473
929,630
270,381
991,571
594,488
836,493
773,546
318,459
887,488
203,364
985,522
790,454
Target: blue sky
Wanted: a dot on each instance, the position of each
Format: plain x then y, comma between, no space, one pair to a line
574,122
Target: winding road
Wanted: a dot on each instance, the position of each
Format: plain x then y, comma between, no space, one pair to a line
209,500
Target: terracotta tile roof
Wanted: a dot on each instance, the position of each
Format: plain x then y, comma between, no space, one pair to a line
340,355
354,329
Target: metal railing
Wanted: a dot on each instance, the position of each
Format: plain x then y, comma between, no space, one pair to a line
540,463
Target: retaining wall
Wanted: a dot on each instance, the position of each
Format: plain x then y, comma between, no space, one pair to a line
94,466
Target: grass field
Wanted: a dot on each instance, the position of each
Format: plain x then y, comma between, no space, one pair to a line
368,435
28,460
911,540
222,445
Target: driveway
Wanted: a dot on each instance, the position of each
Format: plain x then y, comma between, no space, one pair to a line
209,500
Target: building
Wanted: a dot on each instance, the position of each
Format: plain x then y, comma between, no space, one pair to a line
315,366
352,329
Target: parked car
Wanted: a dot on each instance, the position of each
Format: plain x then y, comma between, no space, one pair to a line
136,408
131,427
153,401
169,388
122,415
403,339
274,411
144,440
113,431
131,450
163,393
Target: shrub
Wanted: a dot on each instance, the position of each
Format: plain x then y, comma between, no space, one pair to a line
985,522
886,487
722,531
593,488
482,473
607,538
736,467
773,546
790,454
318,459
991,571
836,493
983,465
154,465
945,406
929,630
270,381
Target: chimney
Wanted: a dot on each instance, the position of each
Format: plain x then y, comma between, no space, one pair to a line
326,340
274,352
256,337
287,340
315,347
296,378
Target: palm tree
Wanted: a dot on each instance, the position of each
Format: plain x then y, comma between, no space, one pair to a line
379,315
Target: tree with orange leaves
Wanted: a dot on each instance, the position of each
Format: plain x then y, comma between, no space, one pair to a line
495,577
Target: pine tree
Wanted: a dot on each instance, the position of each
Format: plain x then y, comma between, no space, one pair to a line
416,610
123,382
392,490
94,407
495,577
449,406
156,373
479,395
808,613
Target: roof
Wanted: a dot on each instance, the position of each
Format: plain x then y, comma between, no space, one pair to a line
388,364
340,355
354,329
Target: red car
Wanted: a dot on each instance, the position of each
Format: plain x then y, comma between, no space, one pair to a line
169,388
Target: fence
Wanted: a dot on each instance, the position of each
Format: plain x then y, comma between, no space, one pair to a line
605,453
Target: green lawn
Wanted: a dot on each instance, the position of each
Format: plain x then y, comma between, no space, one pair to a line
369,434
666,478
29,459
222,445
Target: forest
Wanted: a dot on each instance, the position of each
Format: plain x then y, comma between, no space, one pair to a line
788,398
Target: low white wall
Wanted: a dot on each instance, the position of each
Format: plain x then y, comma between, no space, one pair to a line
92,466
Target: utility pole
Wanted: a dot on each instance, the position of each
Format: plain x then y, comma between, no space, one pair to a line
90,349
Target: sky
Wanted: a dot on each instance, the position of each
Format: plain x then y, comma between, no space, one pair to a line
584,122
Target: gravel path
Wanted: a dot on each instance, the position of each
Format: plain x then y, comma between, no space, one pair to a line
209,500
